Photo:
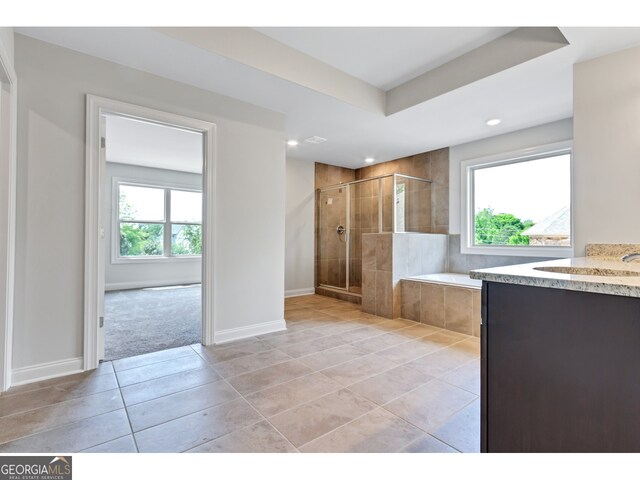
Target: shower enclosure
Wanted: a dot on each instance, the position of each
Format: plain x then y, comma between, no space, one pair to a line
388,203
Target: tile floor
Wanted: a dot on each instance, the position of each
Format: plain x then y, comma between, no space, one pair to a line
338,380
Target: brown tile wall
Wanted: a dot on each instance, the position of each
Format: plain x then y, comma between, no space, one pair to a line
426,206
453,308
330,265
387,258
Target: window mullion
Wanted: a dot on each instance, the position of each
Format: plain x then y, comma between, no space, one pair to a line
167,222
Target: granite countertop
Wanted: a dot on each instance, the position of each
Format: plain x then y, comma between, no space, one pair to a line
598,258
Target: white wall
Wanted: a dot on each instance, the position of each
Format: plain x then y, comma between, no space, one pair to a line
606,146
299,227
152,273
250,184
508,142
6,40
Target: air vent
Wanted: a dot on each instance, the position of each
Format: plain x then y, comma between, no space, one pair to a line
315,140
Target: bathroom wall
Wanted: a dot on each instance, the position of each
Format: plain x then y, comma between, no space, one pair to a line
299,227
553,132
249,198
606,146
153,273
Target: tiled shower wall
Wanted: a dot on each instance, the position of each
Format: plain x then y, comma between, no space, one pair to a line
389,257
330,268
432,165
427,207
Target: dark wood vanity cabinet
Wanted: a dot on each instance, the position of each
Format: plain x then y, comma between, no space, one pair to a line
560,370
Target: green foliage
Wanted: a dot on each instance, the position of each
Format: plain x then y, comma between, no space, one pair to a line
186,240
140,239
146,239
500,229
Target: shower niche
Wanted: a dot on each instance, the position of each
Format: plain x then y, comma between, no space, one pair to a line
393,203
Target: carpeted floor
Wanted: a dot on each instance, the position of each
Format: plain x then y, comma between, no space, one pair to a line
148,320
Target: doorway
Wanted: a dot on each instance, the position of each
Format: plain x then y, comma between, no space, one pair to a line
8,122
149,218
153,236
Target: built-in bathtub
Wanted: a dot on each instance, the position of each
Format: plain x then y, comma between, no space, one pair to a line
455,279
446,300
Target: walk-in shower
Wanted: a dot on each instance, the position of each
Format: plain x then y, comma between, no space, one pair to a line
387,203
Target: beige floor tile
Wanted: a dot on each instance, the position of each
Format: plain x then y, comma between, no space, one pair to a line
119,445
185,433
154,357
27,423
334,356
74,437
462,431
391,384
258,438
159,387
431,405
391,325
405,352
359,369
418,331
292,338
105,368
30,400
224,353
160,369
318,345
361,333
274,400
470,344
170,407
376,432
309,421
380,342
442,361
268,377
443,338
241,365
428,444
466,377
337,328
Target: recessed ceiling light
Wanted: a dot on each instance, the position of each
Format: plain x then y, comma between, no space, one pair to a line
369,160
492,122
292,143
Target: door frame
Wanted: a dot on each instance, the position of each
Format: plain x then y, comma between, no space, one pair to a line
97,108
8,154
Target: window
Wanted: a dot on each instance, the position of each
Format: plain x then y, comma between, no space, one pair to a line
518,204
155,221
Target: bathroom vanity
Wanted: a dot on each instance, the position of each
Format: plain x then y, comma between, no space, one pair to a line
561,356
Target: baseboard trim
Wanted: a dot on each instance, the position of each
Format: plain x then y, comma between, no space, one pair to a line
299,292
45,371
239,333
147,284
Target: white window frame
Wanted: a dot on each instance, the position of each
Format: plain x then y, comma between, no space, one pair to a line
116,258
467,230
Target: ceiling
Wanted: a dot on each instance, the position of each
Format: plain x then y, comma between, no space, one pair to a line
354,60
134,142
384,57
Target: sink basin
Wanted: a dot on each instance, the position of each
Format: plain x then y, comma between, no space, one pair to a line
601,272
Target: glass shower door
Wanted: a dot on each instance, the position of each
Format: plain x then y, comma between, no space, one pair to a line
333,237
